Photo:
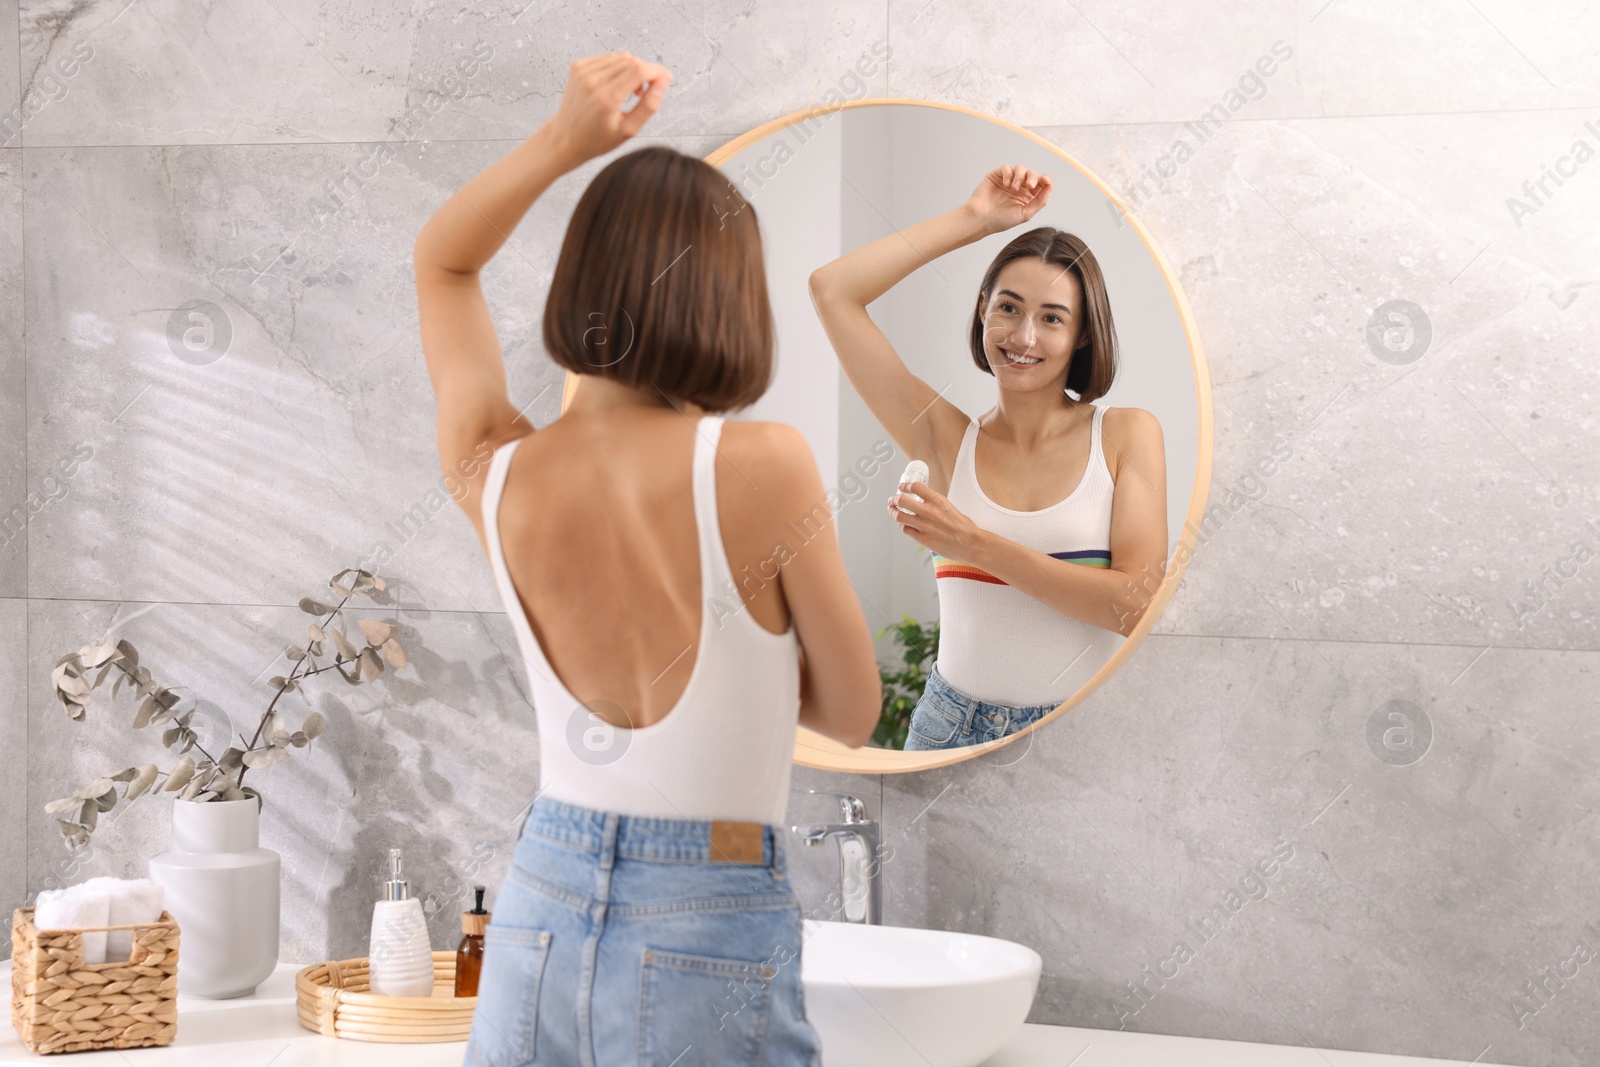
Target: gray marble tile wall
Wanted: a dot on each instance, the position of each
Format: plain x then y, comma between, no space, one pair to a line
1429,542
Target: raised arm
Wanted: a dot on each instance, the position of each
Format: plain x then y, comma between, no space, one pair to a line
458,336
915,415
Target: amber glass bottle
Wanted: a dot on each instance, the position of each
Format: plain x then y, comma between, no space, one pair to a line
469,954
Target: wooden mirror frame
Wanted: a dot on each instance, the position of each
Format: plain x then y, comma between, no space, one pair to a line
812,749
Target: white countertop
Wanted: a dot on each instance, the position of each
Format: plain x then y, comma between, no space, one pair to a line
262,1031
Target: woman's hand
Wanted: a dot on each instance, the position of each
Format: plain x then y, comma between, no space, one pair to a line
590,121
934,522
1009,196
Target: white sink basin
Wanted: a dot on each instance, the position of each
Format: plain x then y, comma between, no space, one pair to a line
887,996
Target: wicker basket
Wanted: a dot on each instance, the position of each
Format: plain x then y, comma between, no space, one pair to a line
61,1004
332,999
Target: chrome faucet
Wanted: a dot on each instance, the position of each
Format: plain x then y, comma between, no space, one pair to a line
860,870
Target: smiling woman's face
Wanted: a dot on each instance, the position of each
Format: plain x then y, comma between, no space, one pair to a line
1035,312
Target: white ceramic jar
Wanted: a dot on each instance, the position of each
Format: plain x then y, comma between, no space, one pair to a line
222,888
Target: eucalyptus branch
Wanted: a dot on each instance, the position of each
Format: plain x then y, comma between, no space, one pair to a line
123,667
213,778
284,689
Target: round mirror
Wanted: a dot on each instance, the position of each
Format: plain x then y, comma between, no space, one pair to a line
826,182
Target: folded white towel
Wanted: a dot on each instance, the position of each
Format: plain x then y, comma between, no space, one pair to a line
133,900
73,908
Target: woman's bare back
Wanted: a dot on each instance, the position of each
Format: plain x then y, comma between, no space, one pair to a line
598,531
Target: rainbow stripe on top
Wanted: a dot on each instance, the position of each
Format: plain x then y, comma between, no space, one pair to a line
945,567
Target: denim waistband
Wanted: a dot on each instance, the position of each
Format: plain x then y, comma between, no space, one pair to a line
955,698
640,837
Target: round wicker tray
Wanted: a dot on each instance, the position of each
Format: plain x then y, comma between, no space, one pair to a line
331,998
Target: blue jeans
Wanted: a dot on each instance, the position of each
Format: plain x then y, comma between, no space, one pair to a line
945,717
617,940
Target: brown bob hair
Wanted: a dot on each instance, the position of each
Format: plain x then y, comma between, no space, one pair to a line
661,282
1094,359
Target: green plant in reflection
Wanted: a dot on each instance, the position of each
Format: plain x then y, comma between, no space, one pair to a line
918,646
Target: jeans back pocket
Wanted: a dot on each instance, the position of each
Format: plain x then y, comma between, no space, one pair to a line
702,1009
506,1020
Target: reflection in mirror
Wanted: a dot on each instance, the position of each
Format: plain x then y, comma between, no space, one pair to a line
951,291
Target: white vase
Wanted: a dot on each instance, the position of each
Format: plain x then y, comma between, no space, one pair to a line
222,888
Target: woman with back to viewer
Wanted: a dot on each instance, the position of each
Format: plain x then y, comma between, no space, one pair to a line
648,911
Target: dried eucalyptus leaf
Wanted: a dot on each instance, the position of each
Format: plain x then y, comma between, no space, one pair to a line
126,775
189,738
313,607
107,801
298,739
343,590
378,583
353,677
142,781
162,715
167,698
69,829
67,682
94,789
191,790
146,709
295,652
102,675
342,643
231,791
130,655
95,655
179,777
88,815
315,723
68,658
170,735
265,757
371,665
280,738
376,632
64,805
231,760
277,681
272,724
394,653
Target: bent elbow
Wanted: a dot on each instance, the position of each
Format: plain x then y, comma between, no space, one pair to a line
1129,618
823,286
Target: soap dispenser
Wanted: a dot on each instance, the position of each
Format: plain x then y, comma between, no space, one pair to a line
400,960
469,955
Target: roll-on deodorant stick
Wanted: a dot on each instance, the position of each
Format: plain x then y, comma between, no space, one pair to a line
916,471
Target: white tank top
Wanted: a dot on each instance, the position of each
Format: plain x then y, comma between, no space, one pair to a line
998,644
725,749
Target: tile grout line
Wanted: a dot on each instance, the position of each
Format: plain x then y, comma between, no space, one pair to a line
27,605
1402,643
1033,127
